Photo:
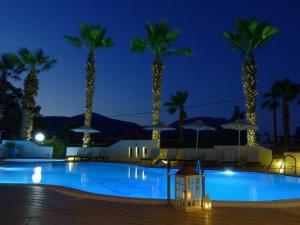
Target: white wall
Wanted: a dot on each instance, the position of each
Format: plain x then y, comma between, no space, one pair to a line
93,151
249,154
120,150
27,149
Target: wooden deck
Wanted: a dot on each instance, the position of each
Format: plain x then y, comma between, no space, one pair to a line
39,205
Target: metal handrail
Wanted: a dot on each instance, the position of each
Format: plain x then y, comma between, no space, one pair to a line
269,167
284,159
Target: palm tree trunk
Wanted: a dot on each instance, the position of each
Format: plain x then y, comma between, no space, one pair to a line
275,129
3,89
249,86
286,126
31,84
181,124
157,70
90,90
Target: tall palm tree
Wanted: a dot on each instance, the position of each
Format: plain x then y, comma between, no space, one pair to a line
177,102
287,91
271,102
9,69
159,41
91,38
249,35
33,63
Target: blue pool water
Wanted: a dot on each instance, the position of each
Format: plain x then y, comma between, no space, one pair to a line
142,182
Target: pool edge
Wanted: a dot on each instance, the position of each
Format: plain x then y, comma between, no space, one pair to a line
289,203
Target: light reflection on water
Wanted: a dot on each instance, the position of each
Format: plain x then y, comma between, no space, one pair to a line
37,175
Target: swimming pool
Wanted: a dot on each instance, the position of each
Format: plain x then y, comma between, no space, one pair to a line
142,182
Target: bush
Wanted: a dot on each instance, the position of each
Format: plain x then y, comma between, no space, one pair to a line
58,147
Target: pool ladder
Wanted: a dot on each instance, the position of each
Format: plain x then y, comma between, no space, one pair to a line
282,164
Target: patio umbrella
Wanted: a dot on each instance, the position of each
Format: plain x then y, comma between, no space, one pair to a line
239,125
85,129
198,125
160,127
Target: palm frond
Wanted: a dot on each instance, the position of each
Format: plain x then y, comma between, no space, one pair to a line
138,45
176,52
171,110
159,40
75,41
90,37
250,34
35,61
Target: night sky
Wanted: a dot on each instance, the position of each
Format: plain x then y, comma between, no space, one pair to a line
123,82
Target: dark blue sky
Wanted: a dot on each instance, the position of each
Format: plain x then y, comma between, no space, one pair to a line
124,79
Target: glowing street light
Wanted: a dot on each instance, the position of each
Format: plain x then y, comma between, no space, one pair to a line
39,137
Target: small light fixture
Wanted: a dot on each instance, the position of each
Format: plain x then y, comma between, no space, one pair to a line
207,203
39,137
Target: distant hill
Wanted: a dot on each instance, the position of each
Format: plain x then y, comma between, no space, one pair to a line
107,126
116,129
211,121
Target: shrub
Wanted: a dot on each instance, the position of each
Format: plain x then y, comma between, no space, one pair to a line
58,147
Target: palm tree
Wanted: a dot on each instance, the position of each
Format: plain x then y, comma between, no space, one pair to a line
271,103
33,63
91,38
177,102
287,91
249,35
9,69
159,41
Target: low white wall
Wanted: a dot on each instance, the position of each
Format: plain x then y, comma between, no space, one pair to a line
93,151
257,154
26,149
133,151
120,151
180,153
265,155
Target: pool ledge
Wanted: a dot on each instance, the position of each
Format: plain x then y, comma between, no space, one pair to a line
291,203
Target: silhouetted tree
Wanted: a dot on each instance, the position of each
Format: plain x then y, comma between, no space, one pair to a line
237,114
177,102
33,63
271,102
287,91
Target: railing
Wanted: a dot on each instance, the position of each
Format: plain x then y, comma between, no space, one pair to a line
269,167
283,166
283,162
